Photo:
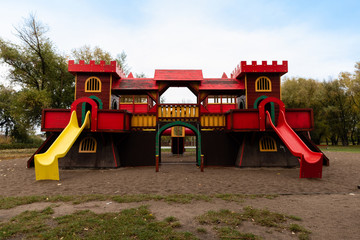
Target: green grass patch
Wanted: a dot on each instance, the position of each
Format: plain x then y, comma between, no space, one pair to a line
28,224
10,202
231,233
135,223
350,148
225,222
201,230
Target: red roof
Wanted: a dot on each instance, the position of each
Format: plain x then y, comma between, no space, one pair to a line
178,75
135,84
221,84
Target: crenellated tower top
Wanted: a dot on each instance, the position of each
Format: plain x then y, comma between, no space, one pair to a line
264,67
102,67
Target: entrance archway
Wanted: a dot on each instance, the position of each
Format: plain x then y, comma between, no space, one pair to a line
272,106
184,124
94,110
262,109
84,110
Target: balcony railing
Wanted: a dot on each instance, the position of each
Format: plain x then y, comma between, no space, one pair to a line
213,121
184,112
143,121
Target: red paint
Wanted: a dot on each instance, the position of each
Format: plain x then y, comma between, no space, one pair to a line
178,75
242,151
55,119
259,68
310,162
112,145
261,107
102,67
94,110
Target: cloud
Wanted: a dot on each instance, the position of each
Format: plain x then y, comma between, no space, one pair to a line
210,35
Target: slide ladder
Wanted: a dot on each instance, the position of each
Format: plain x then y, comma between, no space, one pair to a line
310,162
46,164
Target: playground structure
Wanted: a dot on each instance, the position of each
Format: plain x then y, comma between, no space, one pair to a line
237,120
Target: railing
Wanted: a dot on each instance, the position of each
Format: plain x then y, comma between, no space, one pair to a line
143,121
171,112
212,121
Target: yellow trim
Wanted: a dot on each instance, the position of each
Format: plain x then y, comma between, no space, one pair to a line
110,91
90,145
265,84
207,129
267,144
182,132
75,86
149,130
246,95
93,84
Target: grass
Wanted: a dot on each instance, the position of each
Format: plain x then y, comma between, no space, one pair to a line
16,153
139,222
231,233
350,148
225,222
135,223
11,202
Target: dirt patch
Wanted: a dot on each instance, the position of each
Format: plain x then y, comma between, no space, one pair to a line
329,206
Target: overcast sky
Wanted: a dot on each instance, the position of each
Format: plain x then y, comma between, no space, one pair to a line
318,38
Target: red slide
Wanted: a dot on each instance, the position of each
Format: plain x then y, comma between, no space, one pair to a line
310,162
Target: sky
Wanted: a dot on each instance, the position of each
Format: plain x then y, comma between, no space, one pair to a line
319,38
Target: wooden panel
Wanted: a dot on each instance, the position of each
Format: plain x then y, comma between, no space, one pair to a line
248,119
108,120
55,119
300,119
178,111
104,95
252,95
212,121
111,120
143,121
243,120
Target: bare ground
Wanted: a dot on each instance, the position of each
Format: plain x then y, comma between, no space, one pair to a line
329,207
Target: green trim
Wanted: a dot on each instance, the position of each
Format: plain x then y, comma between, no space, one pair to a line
272,107
184,124
83,111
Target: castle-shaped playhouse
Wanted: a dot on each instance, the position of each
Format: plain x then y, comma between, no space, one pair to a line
118,120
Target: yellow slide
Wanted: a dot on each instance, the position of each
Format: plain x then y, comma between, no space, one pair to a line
46,164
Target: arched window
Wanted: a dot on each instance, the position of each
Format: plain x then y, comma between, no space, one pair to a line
88,145
93,84
267,144
263,84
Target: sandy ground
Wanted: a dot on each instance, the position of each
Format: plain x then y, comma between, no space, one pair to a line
329,207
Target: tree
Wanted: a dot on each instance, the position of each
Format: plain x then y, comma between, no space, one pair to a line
6,101
351,83
97,54
34,63
39,72
306,93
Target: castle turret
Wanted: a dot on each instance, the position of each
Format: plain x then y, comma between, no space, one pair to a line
95,80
